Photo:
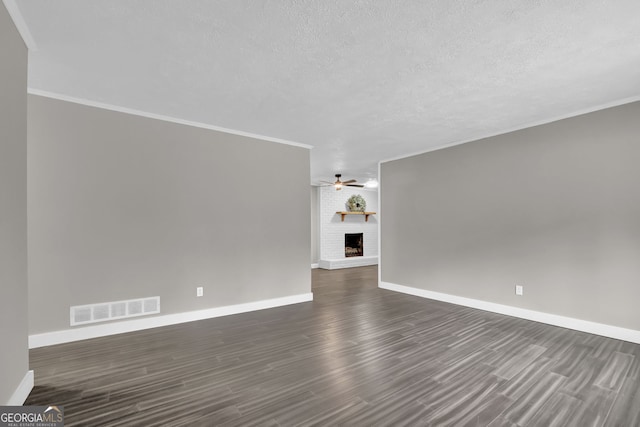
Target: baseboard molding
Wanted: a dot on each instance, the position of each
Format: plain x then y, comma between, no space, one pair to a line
83,333
537,316
314,265
22,392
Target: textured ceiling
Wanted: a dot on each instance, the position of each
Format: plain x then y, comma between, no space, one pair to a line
361,81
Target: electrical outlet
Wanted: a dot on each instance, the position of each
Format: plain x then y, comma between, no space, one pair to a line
199,291
519,290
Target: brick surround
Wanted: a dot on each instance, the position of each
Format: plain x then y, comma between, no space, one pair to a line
332,229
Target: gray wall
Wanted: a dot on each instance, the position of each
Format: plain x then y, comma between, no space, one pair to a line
122,206
315,226
14,356
554,208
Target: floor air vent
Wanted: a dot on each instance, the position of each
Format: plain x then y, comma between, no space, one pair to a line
115,310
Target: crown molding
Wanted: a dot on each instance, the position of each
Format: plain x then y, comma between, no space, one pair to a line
612,104
125,110
21,24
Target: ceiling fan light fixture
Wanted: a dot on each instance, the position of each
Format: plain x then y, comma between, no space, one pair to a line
339,184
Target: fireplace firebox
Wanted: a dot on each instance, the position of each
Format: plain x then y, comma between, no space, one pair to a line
353,245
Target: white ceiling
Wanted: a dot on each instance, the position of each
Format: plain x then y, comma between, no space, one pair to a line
361,81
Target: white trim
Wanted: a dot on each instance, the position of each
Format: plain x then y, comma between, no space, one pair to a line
21,24
517,128
537,316
379,227
77,334
314,265
140,113
22,392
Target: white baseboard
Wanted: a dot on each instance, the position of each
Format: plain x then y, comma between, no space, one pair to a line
22,392
83,333
616,332
314,265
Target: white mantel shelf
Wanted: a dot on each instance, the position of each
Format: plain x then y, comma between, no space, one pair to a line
366,214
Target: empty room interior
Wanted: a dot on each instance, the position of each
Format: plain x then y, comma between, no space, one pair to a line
420,213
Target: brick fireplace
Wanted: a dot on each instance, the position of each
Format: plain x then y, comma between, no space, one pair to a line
333,231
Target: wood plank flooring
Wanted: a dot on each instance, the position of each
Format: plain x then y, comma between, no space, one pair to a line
357,355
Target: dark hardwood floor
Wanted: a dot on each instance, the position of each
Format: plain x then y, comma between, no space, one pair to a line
357,355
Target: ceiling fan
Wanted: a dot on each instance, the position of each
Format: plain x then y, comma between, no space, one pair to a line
339,184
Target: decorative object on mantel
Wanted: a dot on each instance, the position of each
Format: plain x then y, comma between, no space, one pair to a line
366,214
356,203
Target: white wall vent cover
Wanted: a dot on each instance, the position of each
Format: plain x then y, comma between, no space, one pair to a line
115,310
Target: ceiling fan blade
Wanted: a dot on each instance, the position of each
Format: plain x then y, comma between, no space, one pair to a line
327,182
355,185
348,182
